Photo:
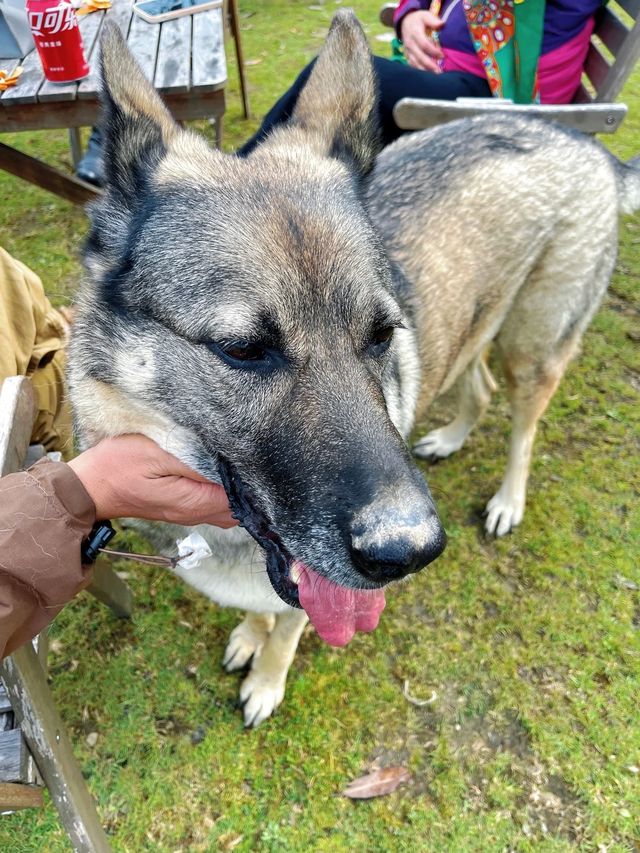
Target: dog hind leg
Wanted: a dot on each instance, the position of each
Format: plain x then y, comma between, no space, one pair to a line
247,639
474,389
529,399
540,336
263,689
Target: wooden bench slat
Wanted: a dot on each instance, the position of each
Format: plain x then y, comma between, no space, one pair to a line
13,797
173,65
208,63
120,13
26,91
143,40
5,704
582,96
14,757
631,7
611,31
18,411
596,67
626,59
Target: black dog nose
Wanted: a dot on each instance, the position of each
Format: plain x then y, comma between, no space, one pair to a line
397,548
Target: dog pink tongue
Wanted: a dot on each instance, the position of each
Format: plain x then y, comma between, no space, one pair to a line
335,611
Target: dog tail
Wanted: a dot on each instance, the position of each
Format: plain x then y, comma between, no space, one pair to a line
629,182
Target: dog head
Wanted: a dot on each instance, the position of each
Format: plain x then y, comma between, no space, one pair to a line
242,312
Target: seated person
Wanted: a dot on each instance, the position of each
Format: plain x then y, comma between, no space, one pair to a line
469,50
32,338
456,49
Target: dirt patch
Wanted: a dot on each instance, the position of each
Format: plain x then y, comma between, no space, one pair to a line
549,807
476,736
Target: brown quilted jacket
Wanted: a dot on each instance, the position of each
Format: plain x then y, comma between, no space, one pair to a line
45,513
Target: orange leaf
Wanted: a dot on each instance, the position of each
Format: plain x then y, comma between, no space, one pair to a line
376,784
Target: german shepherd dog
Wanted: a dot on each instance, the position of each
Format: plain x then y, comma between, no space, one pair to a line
278,322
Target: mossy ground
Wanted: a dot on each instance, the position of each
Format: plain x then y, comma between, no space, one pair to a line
530,644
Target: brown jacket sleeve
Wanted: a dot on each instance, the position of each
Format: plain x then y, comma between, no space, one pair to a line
45,513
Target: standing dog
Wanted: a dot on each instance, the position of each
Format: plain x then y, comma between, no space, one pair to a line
276,323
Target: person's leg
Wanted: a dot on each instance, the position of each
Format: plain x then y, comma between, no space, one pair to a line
32,339
397,81
91,166
279,113
53,427
394,81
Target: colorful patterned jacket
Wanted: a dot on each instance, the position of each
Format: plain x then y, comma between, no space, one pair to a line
566,29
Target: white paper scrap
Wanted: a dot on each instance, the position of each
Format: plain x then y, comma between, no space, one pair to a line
196,547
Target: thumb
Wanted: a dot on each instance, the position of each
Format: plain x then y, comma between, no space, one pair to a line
433,21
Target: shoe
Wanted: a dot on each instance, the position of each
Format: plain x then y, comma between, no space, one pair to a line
91,167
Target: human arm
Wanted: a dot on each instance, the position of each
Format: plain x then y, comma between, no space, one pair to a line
131,476
414,23
47,512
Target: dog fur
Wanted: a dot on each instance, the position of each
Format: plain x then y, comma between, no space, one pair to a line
373,285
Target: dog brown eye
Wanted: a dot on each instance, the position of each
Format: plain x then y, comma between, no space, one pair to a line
380,340
243,351
383,336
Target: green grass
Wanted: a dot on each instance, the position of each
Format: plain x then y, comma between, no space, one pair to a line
531,643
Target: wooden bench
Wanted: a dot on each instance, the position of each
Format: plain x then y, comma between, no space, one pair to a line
34,746
613,53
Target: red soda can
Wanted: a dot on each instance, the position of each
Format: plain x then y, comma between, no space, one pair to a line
54,25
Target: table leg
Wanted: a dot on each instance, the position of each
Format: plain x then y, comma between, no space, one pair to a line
234,20
44,176
75,143
111,590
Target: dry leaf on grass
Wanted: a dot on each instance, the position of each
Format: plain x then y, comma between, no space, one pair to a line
93,6
376,784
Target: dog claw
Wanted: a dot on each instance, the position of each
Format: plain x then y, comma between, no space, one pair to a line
259,698
439,444
243,645
503,514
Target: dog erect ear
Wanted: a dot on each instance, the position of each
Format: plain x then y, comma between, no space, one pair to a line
337,107
137,127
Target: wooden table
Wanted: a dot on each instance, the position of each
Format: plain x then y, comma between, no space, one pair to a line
184,58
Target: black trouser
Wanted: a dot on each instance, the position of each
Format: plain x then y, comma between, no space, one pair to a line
395,81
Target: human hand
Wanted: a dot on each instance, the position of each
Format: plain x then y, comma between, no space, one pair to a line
131,476
421,50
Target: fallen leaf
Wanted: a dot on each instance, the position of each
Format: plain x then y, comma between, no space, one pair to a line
376,784
624,583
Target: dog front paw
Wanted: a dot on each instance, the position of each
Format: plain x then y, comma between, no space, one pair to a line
260,696
503,514
439,443
245,641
